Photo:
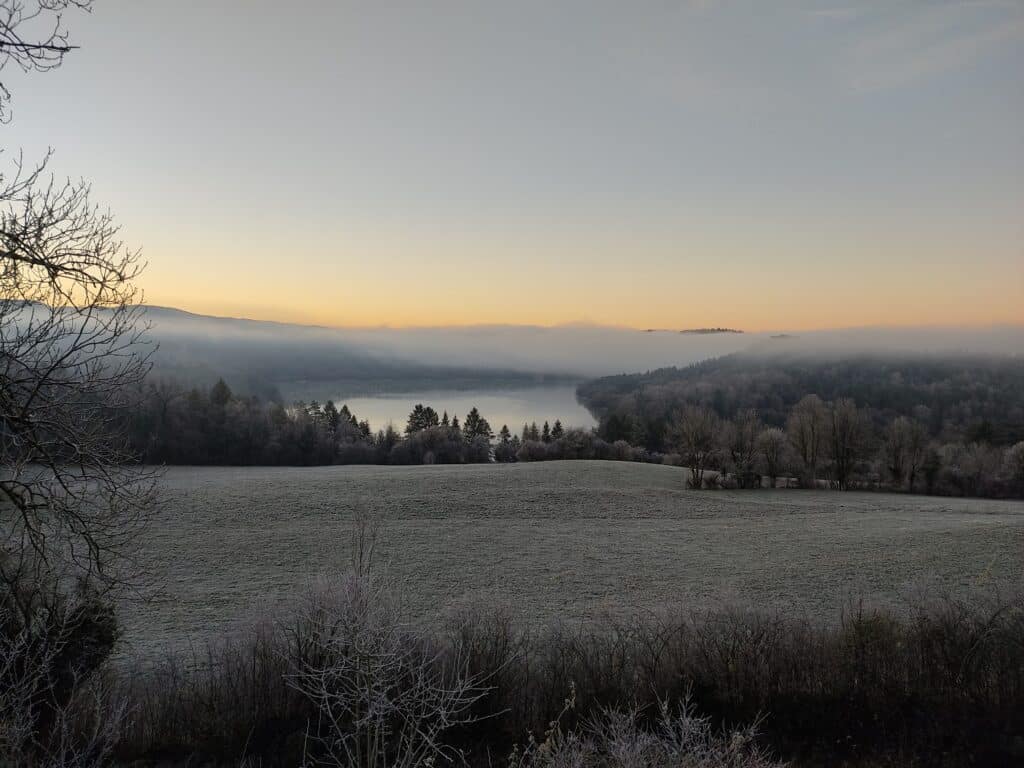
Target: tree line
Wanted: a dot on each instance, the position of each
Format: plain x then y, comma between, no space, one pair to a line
216,426
834,444
956,399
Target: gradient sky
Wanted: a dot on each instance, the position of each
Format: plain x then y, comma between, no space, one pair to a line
666,164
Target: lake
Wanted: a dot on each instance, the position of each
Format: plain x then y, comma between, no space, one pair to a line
514,407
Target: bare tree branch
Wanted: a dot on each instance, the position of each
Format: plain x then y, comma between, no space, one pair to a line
33,38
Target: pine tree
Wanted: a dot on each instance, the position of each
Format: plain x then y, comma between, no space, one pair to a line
526,432
557,432
455,423
444,420
422,417
220,393
545,434
332,416
507,445
476,426
346,415
534,432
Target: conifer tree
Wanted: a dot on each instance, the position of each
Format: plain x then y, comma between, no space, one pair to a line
557,432
545,434
476,426
220,393
332,416
422,417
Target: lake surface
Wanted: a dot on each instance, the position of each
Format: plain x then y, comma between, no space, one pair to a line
514,407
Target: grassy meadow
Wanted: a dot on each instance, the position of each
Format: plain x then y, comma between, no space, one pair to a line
554,541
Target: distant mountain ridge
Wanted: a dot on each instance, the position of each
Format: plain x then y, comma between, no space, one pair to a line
366,360
194,343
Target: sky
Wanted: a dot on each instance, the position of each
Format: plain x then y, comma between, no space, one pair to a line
668,164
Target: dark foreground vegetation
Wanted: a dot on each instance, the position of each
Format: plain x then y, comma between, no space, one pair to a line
346,681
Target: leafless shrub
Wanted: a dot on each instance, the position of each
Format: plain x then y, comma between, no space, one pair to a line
383,695
54,712
616,738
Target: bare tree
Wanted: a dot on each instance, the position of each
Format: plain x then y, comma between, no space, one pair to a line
916,451
739,437
771,445
806,429
72,351
905,445
1013,462
696,432
33,38
894,448
846,437
978,464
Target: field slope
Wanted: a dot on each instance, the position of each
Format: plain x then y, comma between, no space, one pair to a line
554,541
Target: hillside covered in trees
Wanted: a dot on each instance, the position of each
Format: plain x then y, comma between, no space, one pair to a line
960,399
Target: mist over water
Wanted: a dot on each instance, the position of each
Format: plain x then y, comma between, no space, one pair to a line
512,407
309,362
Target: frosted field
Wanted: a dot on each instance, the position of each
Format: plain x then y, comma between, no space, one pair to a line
553,541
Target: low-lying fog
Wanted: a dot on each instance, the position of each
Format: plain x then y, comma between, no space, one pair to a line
417,359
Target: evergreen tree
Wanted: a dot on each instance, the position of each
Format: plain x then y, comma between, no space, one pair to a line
557,431
526,432
505,451
387,439
220,393
348,416
545,434
476,426
422,417
331,416
455,423
534,432
444,420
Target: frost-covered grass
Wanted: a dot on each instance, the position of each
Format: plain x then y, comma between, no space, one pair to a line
554,541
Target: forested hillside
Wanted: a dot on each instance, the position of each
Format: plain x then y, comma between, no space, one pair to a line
960,399
268,359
